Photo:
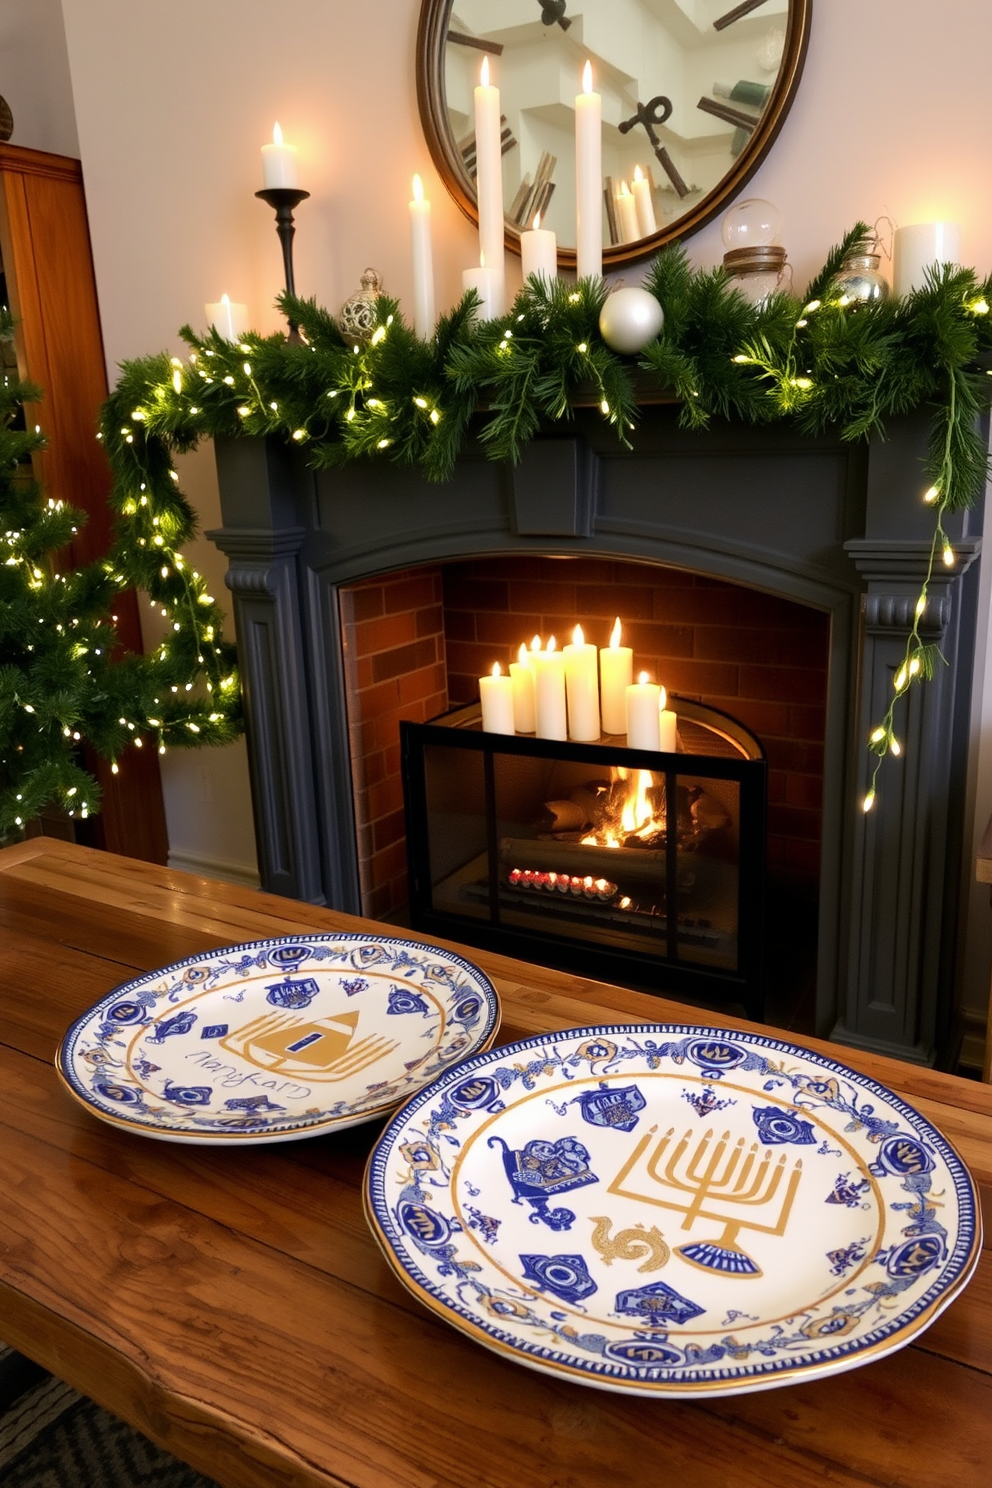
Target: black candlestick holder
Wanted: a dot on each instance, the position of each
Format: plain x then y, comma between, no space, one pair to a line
283,199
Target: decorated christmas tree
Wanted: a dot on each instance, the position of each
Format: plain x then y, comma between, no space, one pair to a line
65,681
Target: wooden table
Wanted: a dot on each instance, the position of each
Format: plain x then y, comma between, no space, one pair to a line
233,1306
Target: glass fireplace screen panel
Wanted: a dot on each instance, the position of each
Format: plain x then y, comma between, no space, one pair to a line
582,852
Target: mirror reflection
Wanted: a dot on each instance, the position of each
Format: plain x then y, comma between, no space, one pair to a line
692,94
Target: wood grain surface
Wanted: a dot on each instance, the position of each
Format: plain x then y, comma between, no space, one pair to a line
233,1305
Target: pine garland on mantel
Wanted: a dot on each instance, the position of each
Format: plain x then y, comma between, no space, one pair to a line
821,363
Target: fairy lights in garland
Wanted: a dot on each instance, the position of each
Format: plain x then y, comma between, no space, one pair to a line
824,366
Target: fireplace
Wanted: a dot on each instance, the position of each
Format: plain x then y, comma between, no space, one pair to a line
597,857
833,530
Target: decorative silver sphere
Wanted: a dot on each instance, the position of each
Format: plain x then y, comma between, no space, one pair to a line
630,319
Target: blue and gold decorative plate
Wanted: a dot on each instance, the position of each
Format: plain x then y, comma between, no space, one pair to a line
667,1210
277,1039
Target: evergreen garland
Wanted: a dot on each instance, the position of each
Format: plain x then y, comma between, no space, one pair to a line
823,363
64,681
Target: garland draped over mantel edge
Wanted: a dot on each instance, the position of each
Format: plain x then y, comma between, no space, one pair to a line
821,362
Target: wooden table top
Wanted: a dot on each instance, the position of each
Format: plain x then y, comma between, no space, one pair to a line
233,1306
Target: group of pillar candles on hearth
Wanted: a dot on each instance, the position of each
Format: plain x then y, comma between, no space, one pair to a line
580,692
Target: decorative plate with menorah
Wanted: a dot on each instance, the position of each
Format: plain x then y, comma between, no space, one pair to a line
277,1039
663,1209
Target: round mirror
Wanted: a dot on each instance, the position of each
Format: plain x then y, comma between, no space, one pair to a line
693,94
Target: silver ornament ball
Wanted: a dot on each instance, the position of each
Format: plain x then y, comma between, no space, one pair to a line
630,319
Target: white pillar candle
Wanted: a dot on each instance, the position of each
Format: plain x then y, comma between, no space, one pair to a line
496,696
582,688
489,183
423,262
549,692
641,187
588,180
616,672
668,724
228,316
627,215
539,252
643,714
920,247
482,280
278,162
524,708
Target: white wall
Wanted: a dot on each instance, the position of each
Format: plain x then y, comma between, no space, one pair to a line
174,97
34,76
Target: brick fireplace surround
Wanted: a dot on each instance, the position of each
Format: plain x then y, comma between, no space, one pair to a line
766,573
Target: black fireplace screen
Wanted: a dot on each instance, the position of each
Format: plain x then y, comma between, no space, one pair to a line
565,853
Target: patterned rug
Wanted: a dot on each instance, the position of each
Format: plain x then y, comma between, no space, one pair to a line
53,1437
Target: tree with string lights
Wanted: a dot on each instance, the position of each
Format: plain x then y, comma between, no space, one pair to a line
65,681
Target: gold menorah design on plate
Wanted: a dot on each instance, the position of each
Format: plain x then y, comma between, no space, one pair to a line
716,1179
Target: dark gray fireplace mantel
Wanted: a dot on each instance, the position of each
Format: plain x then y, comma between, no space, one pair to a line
827,524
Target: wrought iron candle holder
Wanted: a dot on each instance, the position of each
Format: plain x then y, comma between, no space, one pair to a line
283,200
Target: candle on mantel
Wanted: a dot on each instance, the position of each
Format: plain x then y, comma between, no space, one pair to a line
539,251
524,707
549,692
489,184
278,162
588,179
643,714
667,724
496,696
641,187
582,688
228,317
616,672
423,261
483,281
627,215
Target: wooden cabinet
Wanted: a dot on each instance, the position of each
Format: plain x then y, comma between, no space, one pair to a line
48,265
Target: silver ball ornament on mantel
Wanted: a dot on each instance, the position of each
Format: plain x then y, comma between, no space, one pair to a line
860,280
630,319
358,316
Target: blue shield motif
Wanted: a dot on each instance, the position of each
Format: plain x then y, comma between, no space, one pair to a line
776,1127
423,1225
402,1000
187,1095
657,1303
565,1275
714,1056
474,1094
651,1353
903,1156
288,955
612,1107
289,994
914,1257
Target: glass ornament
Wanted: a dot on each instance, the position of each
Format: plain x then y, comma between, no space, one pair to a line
752,223
629,319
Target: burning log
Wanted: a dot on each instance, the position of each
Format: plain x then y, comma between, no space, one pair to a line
635,870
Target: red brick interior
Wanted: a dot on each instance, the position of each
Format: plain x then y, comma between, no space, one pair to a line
416,642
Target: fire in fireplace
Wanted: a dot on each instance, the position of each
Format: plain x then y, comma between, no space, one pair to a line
594,855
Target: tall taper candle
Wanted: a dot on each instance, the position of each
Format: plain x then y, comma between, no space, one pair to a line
549,687
647,223
489,183
668,724
524,709
616,672
423,262
627,215
588,179
582,688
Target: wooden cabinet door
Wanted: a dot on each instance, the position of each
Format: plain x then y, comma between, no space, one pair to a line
45,247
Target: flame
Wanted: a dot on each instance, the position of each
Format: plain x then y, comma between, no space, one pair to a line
496,669
615,635
638,173
484,74
643,678
552,643
578,639
662,700
587,78
637,813
418,189
522,654
537,222
633,815
535,644
276,134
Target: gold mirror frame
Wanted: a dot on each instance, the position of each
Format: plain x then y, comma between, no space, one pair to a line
431,97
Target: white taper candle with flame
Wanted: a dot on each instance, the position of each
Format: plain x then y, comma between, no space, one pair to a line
549,692
667,724
524,708
647,223
483,281
423,261
496,696
582,688
539,251
643,714
278,162
229,316
588,179
489,184
627,215
616,672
